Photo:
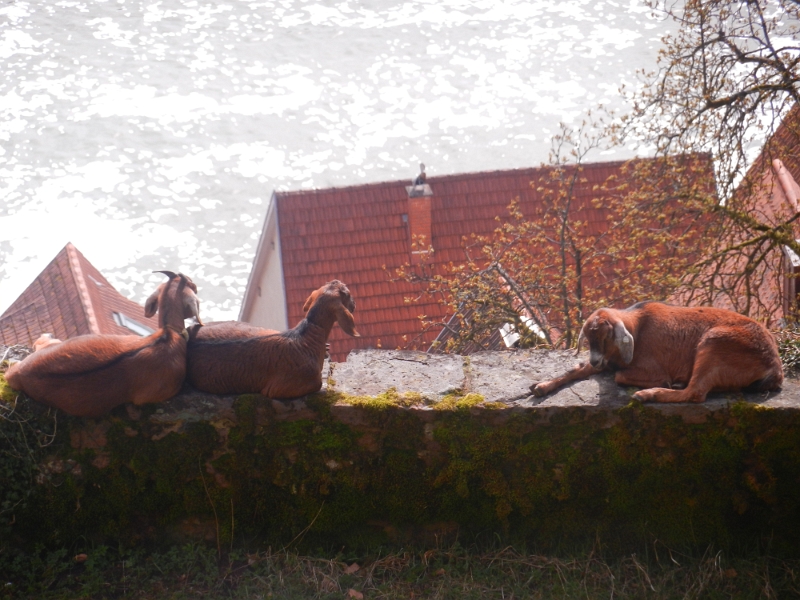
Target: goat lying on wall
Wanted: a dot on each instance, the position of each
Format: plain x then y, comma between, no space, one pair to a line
90,374
658,347
236,358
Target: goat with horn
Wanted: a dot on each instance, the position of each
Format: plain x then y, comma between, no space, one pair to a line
89,375
237,358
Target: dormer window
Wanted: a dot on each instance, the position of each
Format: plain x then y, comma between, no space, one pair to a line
129,323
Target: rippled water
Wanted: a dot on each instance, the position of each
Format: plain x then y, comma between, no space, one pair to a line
151,134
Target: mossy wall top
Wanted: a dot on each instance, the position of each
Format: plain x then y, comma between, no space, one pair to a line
400,464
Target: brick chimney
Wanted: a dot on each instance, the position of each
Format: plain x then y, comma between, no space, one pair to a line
419,217
419,221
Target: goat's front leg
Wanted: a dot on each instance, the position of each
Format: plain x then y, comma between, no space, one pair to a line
658,389
641,377
582,371
660,394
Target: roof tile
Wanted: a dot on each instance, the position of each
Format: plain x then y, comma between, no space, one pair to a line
351,233
52,303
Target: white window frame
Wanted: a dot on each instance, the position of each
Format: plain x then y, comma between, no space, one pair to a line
134,326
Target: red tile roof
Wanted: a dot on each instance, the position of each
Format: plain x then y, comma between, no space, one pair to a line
358,235
68,298
784,144
770,189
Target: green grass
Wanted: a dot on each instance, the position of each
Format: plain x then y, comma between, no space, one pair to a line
789,349
454,572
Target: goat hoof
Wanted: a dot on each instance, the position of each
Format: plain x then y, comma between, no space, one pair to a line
645,396
539,389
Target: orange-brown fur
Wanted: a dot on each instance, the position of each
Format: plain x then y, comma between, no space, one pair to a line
699,349
237,358
89,375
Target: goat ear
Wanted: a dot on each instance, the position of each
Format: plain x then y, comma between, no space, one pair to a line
310,300
151,306
624,341
191,305
345,319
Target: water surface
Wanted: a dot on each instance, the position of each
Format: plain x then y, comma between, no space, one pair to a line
152,134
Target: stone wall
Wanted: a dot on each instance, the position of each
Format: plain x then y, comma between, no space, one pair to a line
403,446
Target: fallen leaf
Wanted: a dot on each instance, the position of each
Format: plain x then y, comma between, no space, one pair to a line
79,558
328,584
440,572
351,593
352,569
730,573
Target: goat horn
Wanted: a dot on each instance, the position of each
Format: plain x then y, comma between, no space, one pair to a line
169,274
580,341
581,337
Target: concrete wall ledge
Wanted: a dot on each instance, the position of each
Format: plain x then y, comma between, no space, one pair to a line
400,444
430,382
505,377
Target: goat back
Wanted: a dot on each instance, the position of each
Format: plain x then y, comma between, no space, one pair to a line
91,374
226,330
237,358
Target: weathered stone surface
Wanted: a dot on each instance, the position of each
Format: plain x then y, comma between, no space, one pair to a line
191,406
506,377
371,372
500,377
13,353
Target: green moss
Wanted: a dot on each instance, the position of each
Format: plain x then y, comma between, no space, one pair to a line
731,480
388,399
26,432
320,402
7,395
245,408
459,402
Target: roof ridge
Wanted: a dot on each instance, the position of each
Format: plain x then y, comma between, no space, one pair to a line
448,177
73,255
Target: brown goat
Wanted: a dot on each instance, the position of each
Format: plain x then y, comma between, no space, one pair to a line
660,347
237,358
90,374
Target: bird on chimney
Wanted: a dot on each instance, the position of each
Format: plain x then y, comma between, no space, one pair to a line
420,180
